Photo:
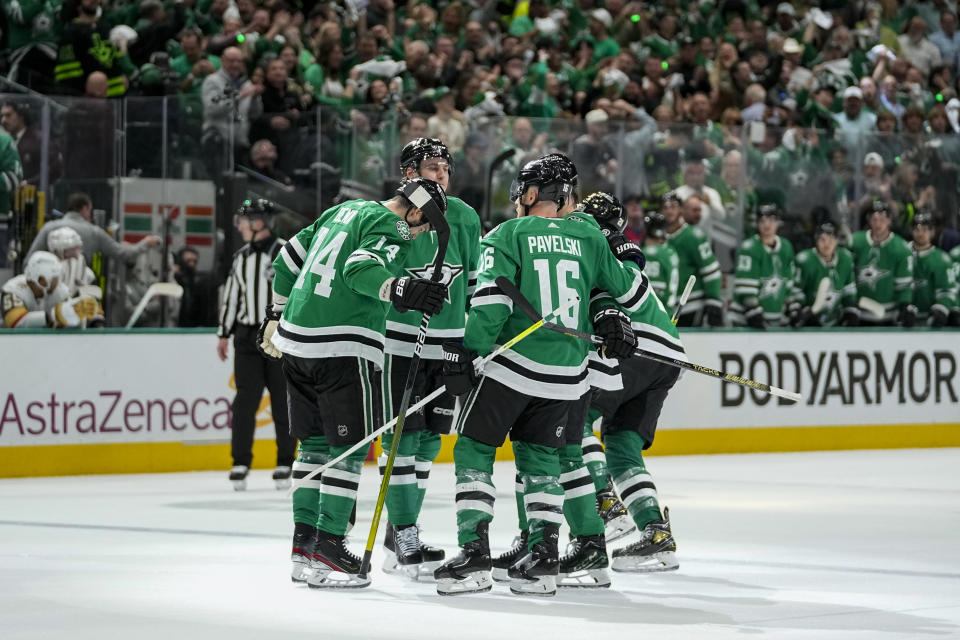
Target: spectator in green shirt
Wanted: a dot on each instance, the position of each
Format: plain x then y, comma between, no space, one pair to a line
603,45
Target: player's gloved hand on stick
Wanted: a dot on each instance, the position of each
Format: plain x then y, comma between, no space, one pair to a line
459,374
939,316
799,314
754,318
70,313
907,316
267,328
850,318
614,327
624,249
714,315
417,294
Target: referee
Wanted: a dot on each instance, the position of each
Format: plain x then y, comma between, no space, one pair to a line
245,296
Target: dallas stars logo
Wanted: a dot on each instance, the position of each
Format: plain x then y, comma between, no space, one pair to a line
771,288
871,274
448,273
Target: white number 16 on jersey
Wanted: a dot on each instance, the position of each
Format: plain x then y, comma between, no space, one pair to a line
566,270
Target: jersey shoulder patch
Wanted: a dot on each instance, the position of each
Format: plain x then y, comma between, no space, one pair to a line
804,256
747,244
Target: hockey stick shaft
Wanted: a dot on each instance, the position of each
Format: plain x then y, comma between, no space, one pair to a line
531,312
683,298
433,395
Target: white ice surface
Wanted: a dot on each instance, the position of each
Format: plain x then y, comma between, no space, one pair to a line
812,545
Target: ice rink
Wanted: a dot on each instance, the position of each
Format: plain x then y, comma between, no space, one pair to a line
862,544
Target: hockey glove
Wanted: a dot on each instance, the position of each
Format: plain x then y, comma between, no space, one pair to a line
955,318
72,312
265,334
459,374
939,316
908,316
417,294
850,317
624,249
714,314
754,318
614,327
799,314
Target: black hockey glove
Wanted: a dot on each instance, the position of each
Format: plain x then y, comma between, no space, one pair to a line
939,316
955,318
417,294
754,318
799,315
850,318
624,249
614,327
908,316
459,374
714,315
267,328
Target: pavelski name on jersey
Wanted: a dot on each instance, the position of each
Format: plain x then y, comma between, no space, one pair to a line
554,244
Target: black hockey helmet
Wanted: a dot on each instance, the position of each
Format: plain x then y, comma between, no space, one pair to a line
607,211
825,228
255,208
768,210
554,175
424,194
924,219
419,149
878,206
670,196
655,224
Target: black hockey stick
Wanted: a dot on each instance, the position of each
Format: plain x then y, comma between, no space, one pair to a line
439,224
518,299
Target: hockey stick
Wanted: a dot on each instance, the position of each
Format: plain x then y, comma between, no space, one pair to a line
168,289
439,224
683,298
872,306
433,395
507,287
823,293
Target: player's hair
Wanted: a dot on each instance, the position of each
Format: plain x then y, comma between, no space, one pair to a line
78,200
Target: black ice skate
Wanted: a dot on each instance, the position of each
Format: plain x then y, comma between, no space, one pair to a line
238,476
616,521
656,550
469,572
505,560
418,561
333,566
535,574
585,564
281,477
304,537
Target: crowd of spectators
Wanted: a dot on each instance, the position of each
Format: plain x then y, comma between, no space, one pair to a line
821,108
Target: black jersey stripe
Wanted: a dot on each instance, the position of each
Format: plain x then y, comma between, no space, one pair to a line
400,336
339,482
536,376
577,482
342,337
652,337
602,367
636,487
293,255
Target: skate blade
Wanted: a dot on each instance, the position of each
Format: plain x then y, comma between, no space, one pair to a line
282,483
327,579
479,582
654,563
422,572
618,528
239,485
543,587
500,575
587,579
300,572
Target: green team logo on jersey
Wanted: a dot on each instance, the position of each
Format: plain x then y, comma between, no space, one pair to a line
871,274
771,287
448,273
404,230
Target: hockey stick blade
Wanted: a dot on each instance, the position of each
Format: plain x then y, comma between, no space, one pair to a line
683,298
823,293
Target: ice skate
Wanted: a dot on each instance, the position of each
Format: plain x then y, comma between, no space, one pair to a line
535,574
281,477
407,564
503,562
333,566
301,556
656,550
469,572
616,520
584,566
238,476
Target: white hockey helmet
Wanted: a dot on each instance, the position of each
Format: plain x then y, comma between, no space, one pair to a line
43,268
62,239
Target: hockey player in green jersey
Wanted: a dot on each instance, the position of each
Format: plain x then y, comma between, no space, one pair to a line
764,275
333,283
663,265
933,278
884,268
527,392
695,258
628,418
825,261
420,444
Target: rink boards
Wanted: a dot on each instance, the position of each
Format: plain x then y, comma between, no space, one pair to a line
119,402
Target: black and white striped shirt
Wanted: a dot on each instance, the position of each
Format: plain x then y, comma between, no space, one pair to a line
247,289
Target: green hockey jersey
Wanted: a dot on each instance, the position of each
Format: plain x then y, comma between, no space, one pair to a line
955,257
652,326
11,172
884,271
695,258
551,261
331,277
663,271
763,280
811,269
933,281
33,22
459,274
